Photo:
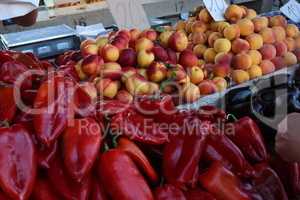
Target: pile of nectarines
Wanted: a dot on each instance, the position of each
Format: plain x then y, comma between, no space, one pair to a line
194,58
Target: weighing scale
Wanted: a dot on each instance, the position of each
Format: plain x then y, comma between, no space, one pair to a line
43,42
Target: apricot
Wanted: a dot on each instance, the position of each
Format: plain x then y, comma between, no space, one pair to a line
221,26
242,61
268,35
250,13
209,55
256,57
180,25
267,67
278,20
279,33
255,41
290,43
297,54
199,50
254,71
246,26
223,58
240,45
220,83
268,51
198,38
240,76
232,32
290,58
297,41
281,48
213,37
292,30
207,87
221,69
278,62
222,45
204,16
234,13
199,26
260,23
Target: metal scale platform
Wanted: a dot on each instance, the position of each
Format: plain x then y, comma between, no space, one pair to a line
44,42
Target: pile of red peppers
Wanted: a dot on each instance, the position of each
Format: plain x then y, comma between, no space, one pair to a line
147,150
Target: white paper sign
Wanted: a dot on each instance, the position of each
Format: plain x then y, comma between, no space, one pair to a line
292,10
128,14
216,8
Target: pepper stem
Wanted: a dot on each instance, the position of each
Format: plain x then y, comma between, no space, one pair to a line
232,116
115,141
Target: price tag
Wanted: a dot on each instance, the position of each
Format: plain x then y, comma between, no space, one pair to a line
292,10
216,8
128,14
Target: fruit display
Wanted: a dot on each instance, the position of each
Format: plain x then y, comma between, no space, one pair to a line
101,123
194,58
60,141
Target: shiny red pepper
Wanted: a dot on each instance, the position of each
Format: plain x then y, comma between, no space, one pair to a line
289,174
181,159
81,144
8,106
11,71
3,196
222,183
84,105
161,109
138,157
111,107
198,194
221,148
69,70
168,192
43,191
4,57
138,128
28,59
248,138
63,185
17,162
53,105
121,177
267,184
98,192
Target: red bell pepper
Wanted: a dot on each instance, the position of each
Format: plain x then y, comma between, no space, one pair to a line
111,107
84,105
221,148
161,109
138,128
168,192
8,106
98,192
181,159
11,71
69,70
289,174
211,113
53,106
43,191
198,194
248,138
81,144
46,154
3,196
138,157
222,183
29,60
4,57
121,177
17,162
267,184
63,185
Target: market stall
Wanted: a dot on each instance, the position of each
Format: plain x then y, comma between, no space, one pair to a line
195,108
